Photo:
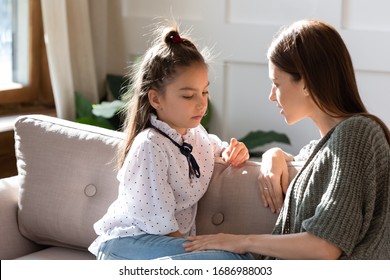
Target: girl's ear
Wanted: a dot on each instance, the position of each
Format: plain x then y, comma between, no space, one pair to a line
154,99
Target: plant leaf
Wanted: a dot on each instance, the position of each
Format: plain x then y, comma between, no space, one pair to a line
116,85
259,138
96,121
107,109
207,117
83,106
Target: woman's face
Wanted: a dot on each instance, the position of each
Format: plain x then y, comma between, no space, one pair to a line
290,96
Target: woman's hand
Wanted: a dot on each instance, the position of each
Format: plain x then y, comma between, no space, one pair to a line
274,179
298,246
227,242
236,153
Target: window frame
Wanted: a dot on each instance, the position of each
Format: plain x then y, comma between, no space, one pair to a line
38,91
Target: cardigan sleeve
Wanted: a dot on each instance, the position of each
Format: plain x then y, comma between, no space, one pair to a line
305,152
346,175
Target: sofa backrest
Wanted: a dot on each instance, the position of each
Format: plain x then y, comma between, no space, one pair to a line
233,204
67,174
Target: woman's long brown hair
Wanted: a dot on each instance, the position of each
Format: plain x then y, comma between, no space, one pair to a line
314,51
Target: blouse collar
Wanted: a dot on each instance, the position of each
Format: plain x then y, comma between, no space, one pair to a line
171,132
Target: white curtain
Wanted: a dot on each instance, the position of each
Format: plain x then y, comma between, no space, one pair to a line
75,36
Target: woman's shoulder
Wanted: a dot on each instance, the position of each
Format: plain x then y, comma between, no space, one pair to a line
359,120
359,125
361,131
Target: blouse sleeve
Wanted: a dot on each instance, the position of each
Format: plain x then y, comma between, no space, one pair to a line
147,194
218,145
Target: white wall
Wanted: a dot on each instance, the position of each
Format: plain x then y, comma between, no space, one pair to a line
240,32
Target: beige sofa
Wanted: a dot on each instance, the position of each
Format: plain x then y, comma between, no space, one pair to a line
66,180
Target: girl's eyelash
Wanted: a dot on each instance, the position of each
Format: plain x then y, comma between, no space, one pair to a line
189,97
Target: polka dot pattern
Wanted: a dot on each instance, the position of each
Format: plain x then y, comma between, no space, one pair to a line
156,195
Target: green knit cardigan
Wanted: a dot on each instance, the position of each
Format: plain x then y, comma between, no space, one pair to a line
342,194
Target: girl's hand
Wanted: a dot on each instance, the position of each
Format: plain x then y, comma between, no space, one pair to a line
236,153
221,241
273,179
175,234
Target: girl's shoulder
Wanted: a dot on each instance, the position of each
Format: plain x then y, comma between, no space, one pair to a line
147,137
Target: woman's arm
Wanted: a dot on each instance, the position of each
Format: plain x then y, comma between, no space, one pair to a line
288,246
273,179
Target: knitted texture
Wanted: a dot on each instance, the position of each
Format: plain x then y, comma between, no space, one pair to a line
342,194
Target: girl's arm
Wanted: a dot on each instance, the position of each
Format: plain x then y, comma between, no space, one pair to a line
143,183
234,152
288,246
175,234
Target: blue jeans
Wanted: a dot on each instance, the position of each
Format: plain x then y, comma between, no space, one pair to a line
147,247
209,255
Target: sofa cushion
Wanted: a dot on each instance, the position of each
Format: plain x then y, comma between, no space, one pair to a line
12,243
59,253
233,202
68,179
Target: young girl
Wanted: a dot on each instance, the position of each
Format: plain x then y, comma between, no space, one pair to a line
168,157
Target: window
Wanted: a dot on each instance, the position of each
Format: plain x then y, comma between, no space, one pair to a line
13,44
24,74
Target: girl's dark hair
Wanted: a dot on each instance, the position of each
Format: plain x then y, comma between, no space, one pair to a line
315,52
158,67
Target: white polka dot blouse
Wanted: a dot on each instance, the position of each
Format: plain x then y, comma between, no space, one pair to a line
156,194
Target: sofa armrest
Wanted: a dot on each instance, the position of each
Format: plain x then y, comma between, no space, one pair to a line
12,243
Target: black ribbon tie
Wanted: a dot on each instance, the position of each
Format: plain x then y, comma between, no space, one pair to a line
186,150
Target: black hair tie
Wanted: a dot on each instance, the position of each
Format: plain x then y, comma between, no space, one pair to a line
186,150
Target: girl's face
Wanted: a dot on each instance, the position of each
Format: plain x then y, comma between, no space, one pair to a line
291,96
184,102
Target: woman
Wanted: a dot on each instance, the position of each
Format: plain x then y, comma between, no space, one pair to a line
338,205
